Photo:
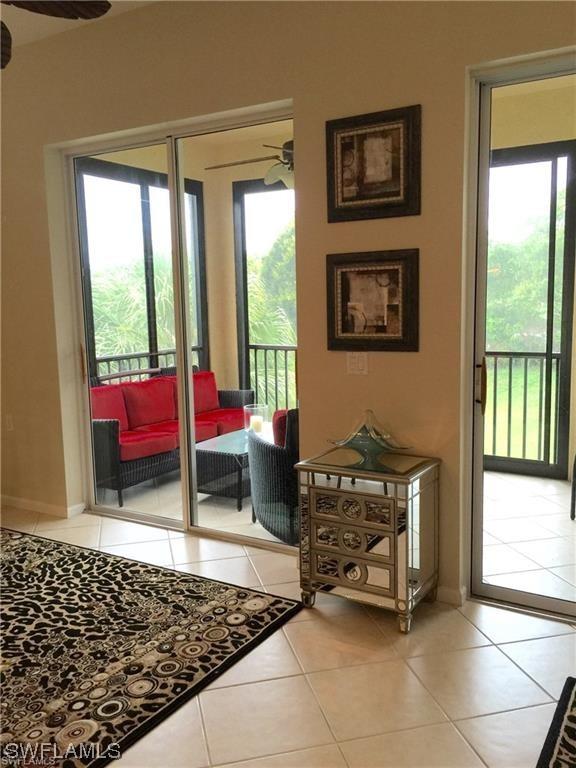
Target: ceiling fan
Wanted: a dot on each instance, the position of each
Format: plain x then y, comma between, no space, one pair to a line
62,9
282,170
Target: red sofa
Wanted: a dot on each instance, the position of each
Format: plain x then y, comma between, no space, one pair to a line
135,426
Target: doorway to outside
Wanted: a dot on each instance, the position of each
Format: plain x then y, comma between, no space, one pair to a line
149,316
524,548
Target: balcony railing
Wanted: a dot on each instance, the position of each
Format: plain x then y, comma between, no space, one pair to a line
521,418
136,366
273,374
272,370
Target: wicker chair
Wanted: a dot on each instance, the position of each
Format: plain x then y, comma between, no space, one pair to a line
275,483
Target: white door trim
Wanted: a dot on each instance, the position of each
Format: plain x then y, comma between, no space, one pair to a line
480,79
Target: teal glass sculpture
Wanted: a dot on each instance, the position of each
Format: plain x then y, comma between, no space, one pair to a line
372,442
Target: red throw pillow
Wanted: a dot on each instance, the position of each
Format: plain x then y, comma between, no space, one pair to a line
148,402
205,392
108,403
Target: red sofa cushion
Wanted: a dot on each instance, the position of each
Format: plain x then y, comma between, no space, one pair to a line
226,419
138,445
204,430
205,392
169,427
279,427
108,403
148,402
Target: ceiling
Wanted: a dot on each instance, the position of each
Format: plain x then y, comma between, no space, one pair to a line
26,27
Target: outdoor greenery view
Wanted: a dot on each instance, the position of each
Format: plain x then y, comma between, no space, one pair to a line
517,313
272,321
121,313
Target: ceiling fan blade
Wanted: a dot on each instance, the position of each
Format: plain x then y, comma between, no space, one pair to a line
242,162
64,9
280,172
6,42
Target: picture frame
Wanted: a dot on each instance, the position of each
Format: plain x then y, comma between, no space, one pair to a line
373,301
373,165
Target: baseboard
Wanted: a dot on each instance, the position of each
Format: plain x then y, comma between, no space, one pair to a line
75,509
16,502
452,596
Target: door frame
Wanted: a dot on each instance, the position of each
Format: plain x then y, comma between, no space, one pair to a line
480,80
72,362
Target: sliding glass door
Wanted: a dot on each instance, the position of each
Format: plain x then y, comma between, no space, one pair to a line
524,540
124,219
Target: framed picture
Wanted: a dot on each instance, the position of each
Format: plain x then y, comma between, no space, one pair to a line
373,301
373,165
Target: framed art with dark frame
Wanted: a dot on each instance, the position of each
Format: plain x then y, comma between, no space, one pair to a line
373,301
373,165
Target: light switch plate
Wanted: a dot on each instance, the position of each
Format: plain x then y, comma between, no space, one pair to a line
357,363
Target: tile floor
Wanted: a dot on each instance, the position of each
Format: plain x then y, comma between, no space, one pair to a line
338,686
529,539
163,497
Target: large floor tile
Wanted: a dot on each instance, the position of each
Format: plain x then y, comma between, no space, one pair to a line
193,549
259,719
549,660
433,746
271,659
49,522
561,525
510,739
178,742
435,627
370,699
535,507
566,572
517,529
275,568
542,582
326,603
122,532
476,681
233,570
338,641
153,552
19,519
549,553
328,756
501,558
504,626
88,536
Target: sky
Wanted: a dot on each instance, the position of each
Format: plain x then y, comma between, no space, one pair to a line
115,230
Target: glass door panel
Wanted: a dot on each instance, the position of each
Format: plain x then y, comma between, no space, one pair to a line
124,226
524,540
213,163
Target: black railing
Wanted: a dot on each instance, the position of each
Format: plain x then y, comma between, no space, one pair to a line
273,374
136,365
521,418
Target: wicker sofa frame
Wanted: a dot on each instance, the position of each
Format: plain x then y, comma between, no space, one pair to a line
116,475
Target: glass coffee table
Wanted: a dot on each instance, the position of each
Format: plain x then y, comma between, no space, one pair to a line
222,466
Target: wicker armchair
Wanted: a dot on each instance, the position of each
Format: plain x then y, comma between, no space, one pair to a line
275,483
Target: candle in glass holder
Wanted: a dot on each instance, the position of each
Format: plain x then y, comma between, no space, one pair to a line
256,423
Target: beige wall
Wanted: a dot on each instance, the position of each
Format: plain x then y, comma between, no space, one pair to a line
333,60
534,113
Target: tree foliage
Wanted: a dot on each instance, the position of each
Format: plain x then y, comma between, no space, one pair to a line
517,290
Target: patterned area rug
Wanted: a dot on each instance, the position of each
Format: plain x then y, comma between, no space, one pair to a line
559,749
96,650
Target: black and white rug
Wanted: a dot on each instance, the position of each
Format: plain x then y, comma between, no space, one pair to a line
96,650
559,749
